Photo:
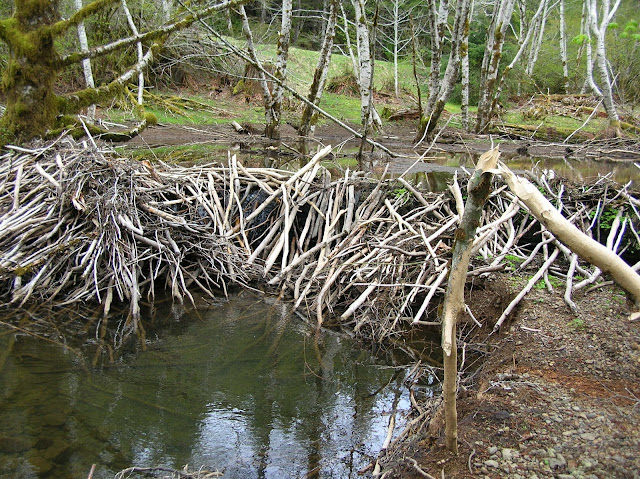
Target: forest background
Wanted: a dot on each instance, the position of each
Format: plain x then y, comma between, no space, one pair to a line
480,55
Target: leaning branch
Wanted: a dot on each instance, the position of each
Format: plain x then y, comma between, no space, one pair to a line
73,103
577,241
161,32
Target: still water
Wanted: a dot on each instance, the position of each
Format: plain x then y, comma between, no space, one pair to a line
242,386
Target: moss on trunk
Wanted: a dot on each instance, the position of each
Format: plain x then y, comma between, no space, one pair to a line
33,66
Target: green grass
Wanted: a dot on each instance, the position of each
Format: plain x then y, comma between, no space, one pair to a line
557,122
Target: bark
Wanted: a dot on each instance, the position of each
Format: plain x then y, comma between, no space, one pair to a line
577,241
309,115
269,114
442,91
523,45
34,64
599,31
32,67
134,30
396,28
538,34
478,189
464,66
272,129
563,48
86,63
500,22
368,114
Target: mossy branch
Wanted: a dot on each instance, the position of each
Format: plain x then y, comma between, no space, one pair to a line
85,12
76,101
153,35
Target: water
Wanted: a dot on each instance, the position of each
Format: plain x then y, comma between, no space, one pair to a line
245,388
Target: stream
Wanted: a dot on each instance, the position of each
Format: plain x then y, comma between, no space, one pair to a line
241,385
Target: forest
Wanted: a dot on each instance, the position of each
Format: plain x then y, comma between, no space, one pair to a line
337,122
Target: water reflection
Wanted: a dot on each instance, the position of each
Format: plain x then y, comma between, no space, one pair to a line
245,389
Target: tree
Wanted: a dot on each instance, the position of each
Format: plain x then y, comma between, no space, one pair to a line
440,88
363,67
309,114
500,22
36,61
599,30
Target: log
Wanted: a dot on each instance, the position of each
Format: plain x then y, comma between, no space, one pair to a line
577,241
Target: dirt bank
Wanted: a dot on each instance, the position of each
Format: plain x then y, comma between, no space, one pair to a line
558,396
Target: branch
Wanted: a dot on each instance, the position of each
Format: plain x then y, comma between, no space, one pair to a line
578,242
151,35
76,101
85,12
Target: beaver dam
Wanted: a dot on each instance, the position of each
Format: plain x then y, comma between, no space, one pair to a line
82,225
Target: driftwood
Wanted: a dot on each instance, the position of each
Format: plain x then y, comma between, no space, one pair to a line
78,224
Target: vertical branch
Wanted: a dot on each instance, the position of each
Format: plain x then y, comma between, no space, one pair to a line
464,66
478,188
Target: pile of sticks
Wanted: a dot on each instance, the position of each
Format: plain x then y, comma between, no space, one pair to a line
80,224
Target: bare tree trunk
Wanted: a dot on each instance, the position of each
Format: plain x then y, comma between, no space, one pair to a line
134,30
368,113
464,65
354,62
491,61
536,43
599,31
439,96
414,61
29,75
563,48
396,26
272,129
585,28
478,189
86,63
309,115
523,45
166,11
262,79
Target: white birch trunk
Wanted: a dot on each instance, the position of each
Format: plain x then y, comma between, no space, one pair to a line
167,11
563,48
585,28
599,31
134,30
354,62
368,112
523,46
86,63
396,26
537,39
464,66
262,79
437,16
